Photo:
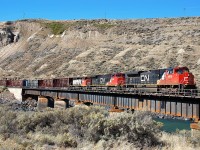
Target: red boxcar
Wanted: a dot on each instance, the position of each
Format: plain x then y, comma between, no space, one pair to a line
14,83
3,82
46,83
63,82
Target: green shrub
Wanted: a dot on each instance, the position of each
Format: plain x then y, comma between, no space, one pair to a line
56,27
103,26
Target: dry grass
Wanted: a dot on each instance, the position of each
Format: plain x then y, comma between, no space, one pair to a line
84,128
180,141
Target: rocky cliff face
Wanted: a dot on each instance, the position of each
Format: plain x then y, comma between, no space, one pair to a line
40,48
6,37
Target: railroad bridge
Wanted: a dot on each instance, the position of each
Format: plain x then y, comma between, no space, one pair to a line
181,104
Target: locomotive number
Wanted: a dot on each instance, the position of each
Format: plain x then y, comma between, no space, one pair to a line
144,77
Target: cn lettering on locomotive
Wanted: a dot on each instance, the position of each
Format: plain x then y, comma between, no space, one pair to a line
144,77
102,80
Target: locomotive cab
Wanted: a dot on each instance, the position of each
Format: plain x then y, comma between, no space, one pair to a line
177,77
117,79
185,77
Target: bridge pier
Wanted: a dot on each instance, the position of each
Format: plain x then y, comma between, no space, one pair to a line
61,103
42,103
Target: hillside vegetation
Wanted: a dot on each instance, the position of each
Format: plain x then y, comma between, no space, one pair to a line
47,49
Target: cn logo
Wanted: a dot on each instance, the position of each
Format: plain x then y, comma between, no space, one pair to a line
102,80
144,77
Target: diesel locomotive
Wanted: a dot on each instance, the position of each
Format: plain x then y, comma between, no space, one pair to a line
178,78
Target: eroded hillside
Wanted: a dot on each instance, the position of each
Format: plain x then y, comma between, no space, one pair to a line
41,48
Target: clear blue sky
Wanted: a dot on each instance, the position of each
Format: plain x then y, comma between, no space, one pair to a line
96,9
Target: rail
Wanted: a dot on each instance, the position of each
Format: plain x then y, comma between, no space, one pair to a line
193,93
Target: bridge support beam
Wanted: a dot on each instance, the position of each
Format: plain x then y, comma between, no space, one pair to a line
114,107
196,112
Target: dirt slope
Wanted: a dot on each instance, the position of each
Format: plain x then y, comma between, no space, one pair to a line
41,48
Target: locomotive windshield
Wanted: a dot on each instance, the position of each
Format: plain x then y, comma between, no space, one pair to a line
170,71
120,75
182,70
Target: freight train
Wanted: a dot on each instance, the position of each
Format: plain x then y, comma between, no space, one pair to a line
178,78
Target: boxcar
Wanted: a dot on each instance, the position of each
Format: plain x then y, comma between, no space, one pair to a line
14,83
46,83
62,82
3,82
30,83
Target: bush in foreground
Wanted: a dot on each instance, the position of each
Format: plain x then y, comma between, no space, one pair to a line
74,126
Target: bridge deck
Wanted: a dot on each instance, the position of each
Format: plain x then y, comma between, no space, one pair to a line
175,104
